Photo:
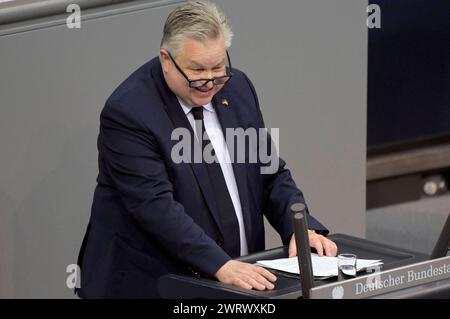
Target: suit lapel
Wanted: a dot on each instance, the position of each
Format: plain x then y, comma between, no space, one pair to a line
228,118
179,119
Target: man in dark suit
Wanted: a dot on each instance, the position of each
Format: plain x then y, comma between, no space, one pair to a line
152,213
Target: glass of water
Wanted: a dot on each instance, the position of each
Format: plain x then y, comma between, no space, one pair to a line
346,266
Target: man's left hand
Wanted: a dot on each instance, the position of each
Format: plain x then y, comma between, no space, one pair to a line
323,245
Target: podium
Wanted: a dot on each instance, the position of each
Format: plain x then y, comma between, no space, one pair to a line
287,286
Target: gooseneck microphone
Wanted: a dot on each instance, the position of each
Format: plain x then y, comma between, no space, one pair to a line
303,248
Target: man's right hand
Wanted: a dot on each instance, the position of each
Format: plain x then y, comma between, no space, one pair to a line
245,276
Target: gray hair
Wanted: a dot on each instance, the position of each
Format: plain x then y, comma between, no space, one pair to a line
199,20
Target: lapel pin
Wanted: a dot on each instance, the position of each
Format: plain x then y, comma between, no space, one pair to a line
224,102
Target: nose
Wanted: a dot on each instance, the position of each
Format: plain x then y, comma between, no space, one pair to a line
206,87
209,74
209,84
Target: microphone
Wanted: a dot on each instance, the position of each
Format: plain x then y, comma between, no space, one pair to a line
303,249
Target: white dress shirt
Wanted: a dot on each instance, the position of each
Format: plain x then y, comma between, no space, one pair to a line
214,131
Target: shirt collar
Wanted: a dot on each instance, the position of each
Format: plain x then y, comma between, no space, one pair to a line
187,109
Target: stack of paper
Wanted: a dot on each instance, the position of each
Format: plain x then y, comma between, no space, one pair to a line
322,266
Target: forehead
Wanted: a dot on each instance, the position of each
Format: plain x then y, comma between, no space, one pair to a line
209,52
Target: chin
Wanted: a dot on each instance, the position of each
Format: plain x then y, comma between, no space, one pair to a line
202,100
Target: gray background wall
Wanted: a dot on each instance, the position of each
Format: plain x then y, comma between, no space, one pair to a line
413,225
307,60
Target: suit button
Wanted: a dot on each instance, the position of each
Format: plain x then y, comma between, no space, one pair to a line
220,242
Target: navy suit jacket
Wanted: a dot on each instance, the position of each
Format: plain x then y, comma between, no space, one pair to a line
151,216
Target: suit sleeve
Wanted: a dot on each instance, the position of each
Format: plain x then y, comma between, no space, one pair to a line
137,169
280,190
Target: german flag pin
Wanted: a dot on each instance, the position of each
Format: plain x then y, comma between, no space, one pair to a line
225,102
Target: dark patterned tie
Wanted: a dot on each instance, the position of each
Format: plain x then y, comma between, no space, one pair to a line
228,219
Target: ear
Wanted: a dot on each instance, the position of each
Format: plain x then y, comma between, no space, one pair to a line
165,60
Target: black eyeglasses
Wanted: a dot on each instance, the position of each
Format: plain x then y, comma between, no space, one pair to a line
201,84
